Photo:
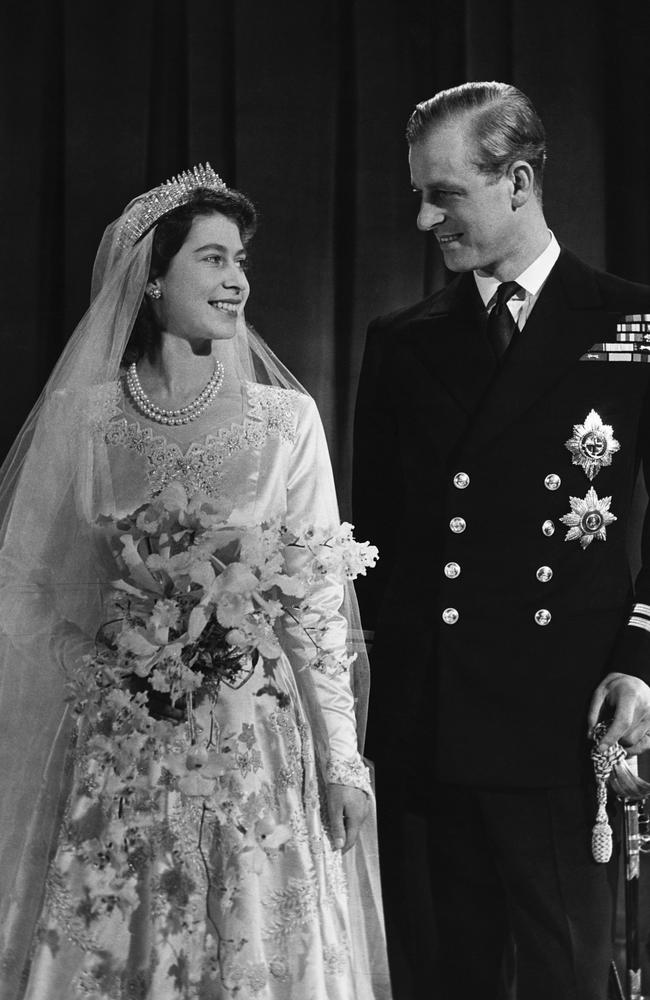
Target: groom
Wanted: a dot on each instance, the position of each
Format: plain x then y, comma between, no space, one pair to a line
500,425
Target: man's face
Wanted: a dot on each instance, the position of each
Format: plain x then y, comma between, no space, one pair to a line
469,212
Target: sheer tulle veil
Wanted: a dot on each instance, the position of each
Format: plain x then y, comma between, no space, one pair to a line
48,582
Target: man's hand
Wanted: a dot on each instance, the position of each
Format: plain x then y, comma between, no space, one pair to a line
347,808
628,698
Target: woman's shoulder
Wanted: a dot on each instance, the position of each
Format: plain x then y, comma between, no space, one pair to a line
283,410
75,394
274,395
86,404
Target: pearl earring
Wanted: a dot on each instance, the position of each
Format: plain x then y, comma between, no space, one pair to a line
154,292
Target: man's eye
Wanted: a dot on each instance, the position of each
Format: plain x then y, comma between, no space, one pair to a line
214,257
242,264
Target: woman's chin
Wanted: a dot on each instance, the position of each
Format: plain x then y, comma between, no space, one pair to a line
203,343
225,328
225,334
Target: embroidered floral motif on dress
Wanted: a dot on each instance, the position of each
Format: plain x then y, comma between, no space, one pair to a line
292,907
271,413
226,856
297,740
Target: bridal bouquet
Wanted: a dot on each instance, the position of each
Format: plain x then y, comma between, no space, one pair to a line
197,603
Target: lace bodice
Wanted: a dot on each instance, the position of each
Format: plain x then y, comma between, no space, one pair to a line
202,466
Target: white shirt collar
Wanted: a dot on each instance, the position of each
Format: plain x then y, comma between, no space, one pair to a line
531,280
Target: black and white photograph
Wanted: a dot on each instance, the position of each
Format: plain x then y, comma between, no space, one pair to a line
324,527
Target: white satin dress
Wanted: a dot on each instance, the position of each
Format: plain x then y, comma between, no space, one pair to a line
257,904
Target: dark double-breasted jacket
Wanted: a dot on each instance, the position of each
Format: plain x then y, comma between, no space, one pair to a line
492,629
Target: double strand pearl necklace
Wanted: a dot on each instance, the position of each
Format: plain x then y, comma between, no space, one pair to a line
185,414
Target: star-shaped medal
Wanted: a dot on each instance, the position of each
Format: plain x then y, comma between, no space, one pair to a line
592,444
588,519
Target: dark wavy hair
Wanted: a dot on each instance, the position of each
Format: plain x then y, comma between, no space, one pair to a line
504,125
171,232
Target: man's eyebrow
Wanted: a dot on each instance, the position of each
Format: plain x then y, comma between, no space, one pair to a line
442,185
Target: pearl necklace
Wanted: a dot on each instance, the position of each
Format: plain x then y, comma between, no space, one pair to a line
185,414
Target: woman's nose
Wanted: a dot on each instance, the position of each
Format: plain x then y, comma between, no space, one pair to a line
235,278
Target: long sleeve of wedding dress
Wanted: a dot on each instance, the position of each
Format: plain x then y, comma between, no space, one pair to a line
311,499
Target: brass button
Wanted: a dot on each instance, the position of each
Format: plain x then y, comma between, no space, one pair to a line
543,617
452,570
544,574
458,525
552,481
548,528
450,616
461,480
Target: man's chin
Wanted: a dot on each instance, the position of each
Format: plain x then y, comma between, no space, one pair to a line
457,261
456,265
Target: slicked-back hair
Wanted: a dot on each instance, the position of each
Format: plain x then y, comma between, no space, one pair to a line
504,125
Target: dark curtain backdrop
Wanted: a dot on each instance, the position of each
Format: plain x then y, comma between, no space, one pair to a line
301,104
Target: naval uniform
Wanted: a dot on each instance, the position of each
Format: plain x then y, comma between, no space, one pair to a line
500,495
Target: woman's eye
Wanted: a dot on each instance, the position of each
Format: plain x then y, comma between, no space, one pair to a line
217,258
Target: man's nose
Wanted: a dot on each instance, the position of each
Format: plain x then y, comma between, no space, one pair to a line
429,216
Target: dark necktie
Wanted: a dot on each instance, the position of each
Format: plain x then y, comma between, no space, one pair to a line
501,324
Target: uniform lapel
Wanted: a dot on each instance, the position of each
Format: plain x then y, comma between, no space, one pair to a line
567,319
449,340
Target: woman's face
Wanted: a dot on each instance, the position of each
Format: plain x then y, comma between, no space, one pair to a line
205,288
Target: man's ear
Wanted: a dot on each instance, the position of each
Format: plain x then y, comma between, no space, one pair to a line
522,177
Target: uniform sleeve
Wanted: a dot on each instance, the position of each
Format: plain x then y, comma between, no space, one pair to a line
311,501
632,651
377,479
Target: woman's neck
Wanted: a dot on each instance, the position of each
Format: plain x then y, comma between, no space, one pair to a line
176,372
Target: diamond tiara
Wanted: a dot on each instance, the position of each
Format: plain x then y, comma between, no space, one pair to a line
163,199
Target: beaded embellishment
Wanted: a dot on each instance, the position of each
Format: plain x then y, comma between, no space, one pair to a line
271,413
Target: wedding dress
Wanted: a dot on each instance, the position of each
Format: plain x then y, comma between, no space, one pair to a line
256,905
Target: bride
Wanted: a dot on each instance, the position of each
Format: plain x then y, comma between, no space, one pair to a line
226,856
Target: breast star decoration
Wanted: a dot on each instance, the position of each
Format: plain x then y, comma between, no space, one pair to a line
592,445
588,519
